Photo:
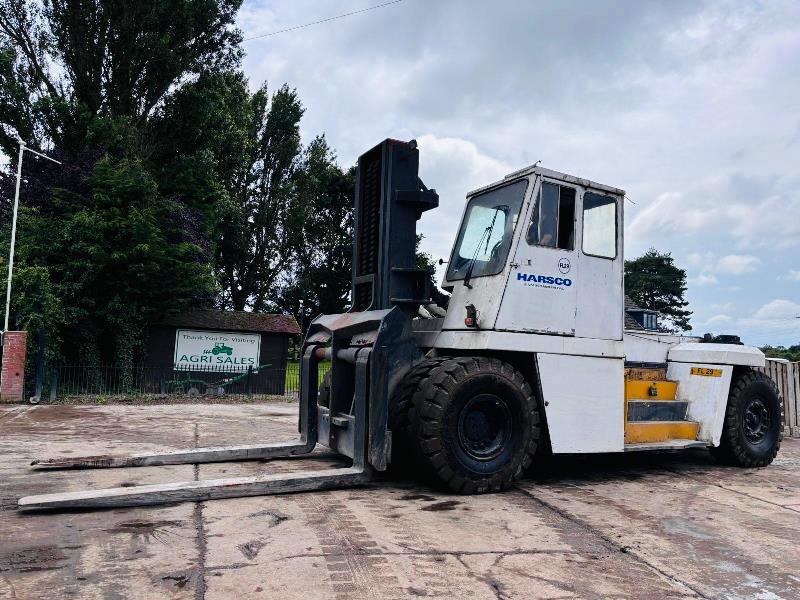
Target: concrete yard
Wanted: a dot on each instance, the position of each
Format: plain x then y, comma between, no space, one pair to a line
664,525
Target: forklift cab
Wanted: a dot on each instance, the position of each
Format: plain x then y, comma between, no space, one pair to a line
539,252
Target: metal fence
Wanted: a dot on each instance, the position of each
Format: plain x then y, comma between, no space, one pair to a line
787,375
65,381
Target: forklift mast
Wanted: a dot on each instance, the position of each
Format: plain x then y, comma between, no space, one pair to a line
390,198
372,346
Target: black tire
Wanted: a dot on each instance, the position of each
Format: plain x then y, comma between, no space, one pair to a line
399,408
475,423
753,427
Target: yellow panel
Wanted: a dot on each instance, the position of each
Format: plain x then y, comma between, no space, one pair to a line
650,390
644,432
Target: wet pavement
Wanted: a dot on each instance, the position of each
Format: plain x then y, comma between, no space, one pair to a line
639,525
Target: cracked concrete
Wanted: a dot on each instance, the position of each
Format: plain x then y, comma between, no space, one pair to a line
664,525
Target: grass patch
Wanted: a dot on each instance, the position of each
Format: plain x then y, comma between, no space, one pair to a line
293,374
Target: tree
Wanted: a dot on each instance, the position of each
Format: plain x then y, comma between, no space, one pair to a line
105,234
260,228
205,135
115,58
36,306
282,212
791,353
424,260
115,261
654,282
319,279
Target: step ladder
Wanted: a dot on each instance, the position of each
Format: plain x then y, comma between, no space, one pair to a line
654,417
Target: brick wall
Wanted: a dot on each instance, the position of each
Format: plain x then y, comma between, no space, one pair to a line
12,374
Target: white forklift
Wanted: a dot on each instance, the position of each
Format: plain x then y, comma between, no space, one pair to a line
528,355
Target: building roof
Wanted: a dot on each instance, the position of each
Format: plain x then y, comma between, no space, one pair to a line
230,320
630,322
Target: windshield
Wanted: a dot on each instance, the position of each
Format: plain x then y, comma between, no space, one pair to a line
485,237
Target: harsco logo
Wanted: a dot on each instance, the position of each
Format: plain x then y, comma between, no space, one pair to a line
544,279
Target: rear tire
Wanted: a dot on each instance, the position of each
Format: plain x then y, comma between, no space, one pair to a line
753,427
475,424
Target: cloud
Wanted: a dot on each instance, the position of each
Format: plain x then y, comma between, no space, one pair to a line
699,259
671,211
772,323
779,309
723,306
719,320
791,275
459,159
703,279
454,167
731,264
751,211
736,264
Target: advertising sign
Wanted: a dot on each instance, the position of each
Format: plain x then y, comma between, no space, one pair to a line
198,350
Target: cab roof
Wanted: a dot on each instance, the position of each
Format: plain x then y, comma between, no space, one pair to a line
537,170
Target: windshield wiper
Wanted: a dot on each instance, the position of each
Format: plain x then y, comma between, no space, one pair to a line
468,274
487,233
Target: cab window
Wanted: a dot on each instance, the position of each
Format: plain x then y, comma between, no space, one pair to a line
599,225
487,230
553,221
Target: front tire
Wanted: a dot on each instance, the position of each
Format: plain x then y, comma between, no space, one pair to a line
475,424
753,427
403,451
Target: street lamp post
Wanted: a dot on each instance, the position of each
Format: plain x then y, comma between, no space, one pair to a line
22,148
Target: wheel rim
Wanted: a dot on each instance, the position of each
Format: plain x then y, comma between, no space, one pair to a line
756,421
484,427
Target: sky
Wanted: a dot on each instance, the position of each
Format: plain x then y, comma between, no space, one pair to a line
691,107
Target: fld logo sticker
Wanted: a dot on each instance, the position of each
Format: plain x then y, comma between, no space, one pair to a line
563,265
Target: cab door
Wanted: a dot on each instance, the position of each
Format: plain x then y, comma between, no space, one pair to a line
541,292
600,289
